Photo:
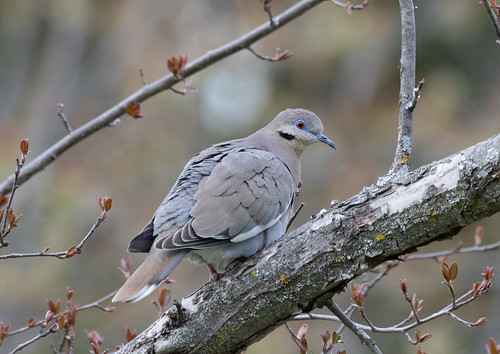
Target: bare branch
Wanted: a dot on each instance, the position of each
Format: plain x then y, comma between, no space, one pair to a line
365,338
490,247
407,81
493,18
60,114
143,78
5,229
147,91
63,254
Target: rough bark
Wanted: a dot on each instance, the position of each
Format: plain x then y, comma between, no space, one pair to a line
314,262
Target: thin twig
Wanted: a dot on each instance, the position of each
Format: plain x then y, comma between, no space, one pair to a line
493,17
143,78
295,213
267,8
490,247
365,338
95,304
260,56
147,91
402,156
369,285
98,222
32,340
60,255
15,185
60,113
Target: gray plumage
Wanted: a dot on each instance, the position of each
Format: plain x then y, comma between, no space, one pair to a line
230,201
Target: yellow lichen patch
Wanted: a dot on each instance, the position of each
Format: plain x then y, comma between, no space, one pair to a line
283,279
380,237
404,159
253,272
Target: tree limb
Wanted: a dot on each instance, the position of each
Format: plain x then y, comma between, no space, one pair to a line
311,264
150,90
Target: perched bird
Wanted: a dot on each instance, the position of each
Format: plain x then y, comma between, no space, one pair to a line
230,201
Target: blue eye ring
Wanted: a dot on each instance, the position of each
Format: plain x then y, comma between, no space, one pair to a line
300,124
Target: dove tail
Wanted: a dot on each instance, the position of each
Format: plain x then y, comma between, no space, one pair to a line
148,276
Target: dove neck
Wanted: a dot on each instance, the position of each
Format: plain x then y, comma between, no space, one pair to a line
288,151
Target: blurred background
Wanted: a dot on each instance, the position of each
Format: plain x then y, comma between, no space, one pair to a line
86,55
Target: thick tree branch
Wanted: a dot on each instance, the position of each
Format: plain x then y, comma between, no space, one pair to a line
317,260
150,90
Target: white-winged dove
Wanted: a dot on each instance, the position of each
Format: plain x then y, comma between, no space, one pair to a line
230,201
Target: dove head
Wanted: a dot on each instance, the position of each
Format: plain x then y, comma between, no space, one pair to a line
297,129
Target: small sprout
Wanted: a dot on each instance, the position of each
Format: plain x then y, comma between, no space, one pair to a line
301,339
13,219
69,293
479,322
72,316
134,110
3,200
419,338
4,332
175,66
280,55
416,303
31,323
449,273
478,236
492,347
403,285
62,321
131,334
125,267
485,285
488,273
336,338
325,336
95,341
108,309
54,307
188,87
105,203
163,299
46,249
357,293
69,253
420,351
49,315
453,271
24,146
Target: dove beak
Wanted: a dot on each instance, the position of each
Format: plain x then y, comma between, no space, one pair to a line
322,138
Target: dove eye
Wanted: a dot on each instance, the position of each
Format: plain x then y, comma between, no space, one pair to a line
300,124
